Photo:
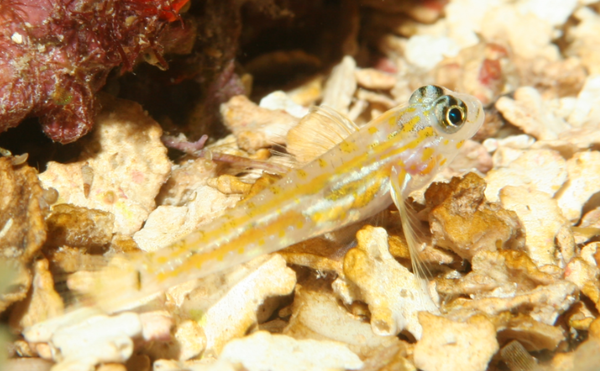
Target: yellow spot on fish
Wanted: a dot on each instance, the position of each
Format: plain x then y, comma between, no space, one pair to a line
460,144
347,147
427,153
322,163
410,125
373,130
250,204
275,189
281,233
430,166
240,250
261,242
446,141
442,161
301,173
392,121
299,224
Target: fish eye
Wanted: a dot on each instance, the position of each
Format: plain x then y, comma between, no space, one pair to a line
451,113
454,116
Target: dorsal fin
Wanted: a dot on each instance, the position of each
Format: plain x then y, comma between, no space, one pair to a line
318,132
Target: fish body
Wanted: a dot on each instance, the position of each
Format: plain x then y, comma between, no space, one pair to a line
381,162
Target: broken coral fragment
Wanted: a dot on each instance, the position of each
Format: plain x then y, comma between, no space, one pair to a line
530,113
186,201
341,85
534,335
537,169
83,338
43,302
373,79
543,221
393,293
22,226
451,345
22,212
318,315
583,183
127,162
503,270
255,127
235,310
463,221
167,223
76,226
544,303
264,351
582,41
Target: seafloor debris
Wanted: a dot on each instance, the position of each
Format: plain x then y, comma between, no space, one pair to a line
512,249
22,210
124,166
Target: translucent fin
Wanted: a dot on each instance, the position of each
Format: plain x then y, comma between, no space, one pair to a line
517,358
410,221
318,132
411,229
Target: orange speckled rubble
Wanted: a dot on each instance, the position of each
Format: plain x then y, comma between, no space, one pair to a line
510,231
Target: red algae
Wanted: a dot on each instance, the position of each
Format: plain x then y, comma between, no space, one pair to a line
56,54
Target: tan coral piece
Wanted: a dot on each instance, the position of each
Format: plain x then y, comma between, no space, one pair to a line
188,342
44,301
584,181
583,41
264,351
340,86
186,201
83,338
585,357
585,276
229,184
371,78
308,93
542,170
529,112
184,179
449,345
545,303
394,295
129,165
22,228
542,219
319,254
534,335
79,227
232,315
255,127
22,212
585,112
463,221
166,224
318,315
503,270
472,155
279,100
